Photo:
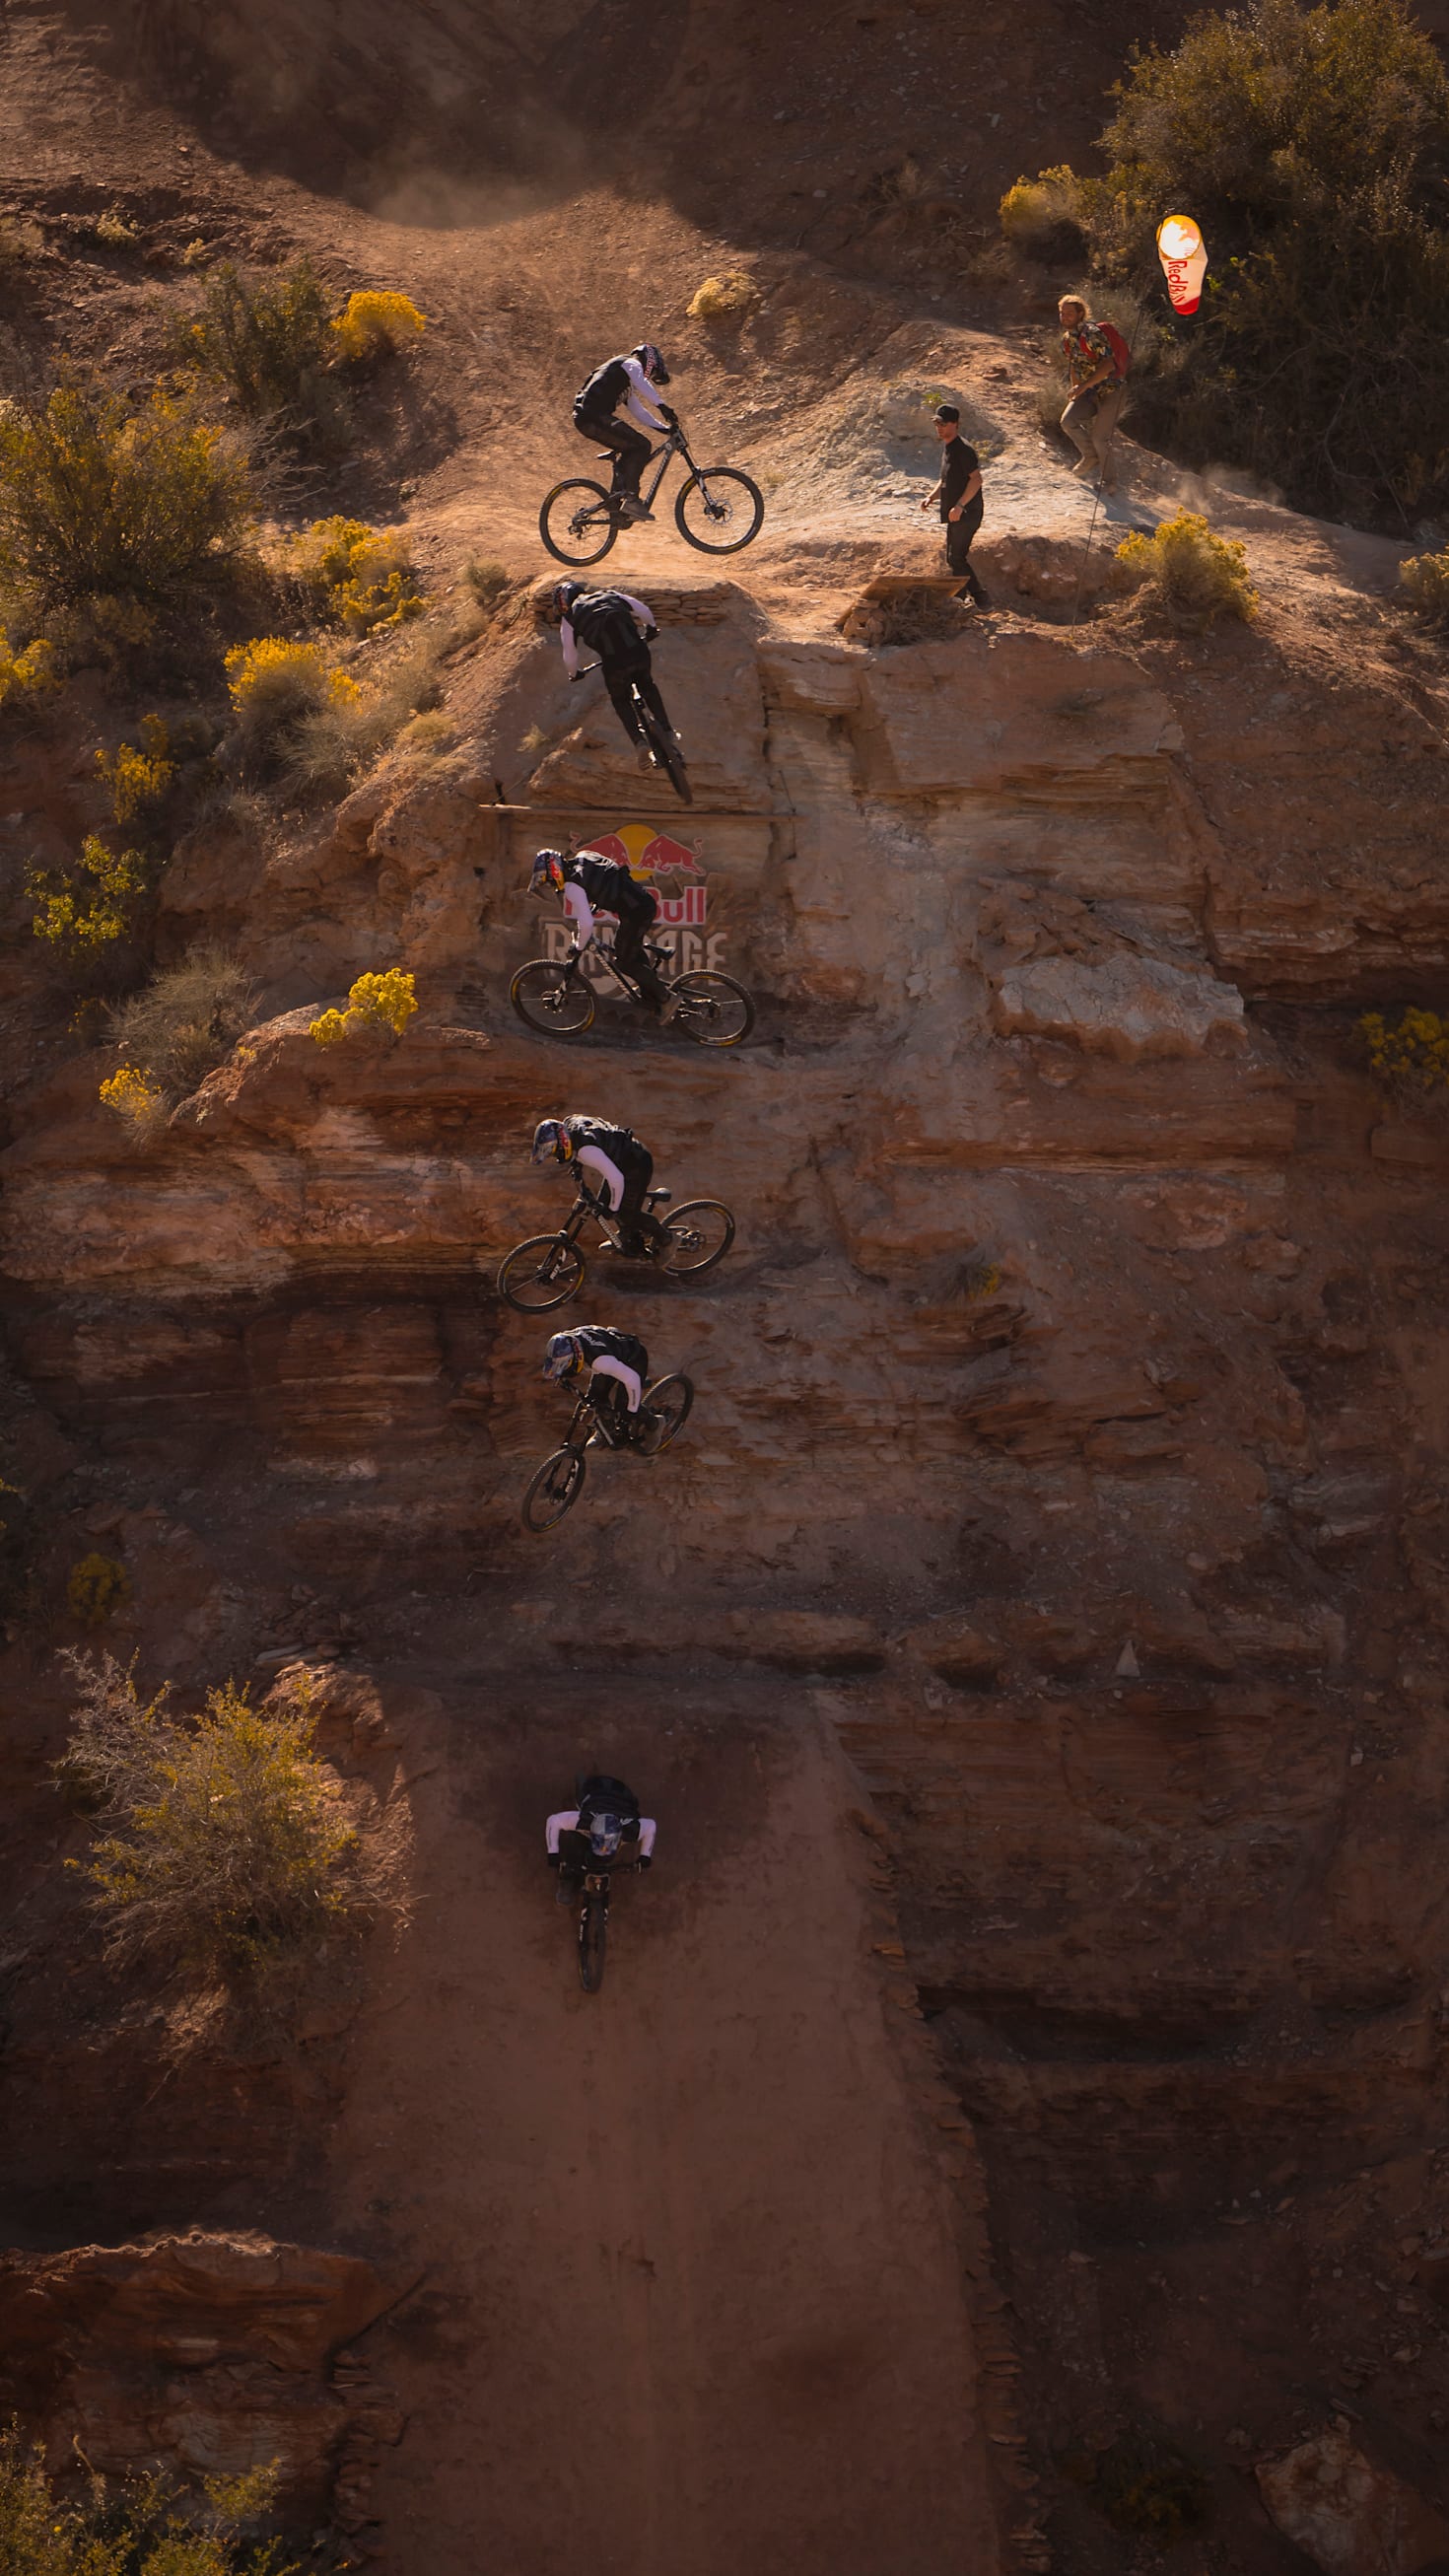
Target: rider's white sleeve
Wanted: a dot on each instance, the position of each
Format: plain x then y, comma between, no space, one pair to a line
607,1366
580,911
643,617
639,401
569,641
647,1831
609,1173
563,1823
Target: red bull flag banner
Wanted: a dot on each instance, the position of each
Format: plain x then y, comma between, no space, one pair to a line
673,870
1183,253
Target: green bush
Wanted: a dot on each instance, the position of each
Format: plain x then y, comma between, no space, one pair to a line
1424,581
101,502
269,344
181,1027
1196,576
221,1843
137,2528
1312,145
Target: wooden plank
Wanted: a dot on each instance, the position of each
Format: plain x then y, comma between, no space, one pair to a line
680,814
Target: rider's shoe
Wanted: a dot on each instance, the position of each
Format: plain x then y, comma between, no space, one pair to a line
669,1012
632,510
643,756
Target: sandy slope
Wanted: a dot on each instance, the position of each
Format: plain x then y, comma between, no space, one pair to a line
692,2291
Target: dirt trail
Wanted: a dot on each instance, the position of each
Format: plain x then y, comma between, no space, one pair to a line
693,2288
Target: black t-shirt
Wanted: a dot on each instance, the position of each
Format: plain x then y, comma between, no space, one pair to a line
958,463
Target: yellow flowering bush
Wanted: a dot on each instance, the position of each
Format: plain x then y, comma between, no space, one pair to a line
96,905
1412,1059
98,502
131,2527
138,774
375,1002
360,576
1032,210
273,677
719,299
136,1098
1198,577
375,323
97,1586
1424,581
30,674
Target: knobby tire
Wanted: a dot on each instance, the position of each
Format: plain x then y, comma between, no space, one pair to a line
565,547
672,1398
547,1260
593,1932
551,999
715,1010
693,1264
713,478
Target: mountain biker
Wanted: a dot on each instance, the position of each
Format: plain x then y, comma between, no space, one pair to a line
589,883
1098,392
627,380
620,629
604,1831
618,1365
622,1167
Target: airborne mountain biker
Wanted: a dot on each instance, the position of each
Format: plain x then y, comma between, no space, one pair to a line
621,1166
604,1831
625,380
589,883
618,1365
620,629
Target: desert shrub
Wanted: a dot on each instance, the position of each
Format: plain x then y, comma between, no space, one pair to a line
374,324
1040,215
1143,2484
29,675
268,342
220,1840
97,1585
21,242
97,501
1312,145
1197,577
358,576
139,775
336,740
136,2527
1424,581
376,1002
488,581
176,1031
115,229
275,687
723,299
92,906
1412,1059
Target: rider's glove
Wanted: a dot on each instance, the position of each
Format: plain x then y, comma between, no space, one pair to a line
649,634
555,1860
665,413
645,1861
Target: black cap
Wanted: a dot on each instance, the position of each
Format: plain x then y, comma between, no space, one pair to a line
947,411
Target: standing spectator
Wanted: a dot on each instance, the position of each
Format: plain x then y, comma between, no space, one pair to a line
1097,392
958,493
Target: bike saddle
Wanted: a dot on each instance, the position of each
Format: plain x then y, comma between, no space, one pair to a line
656,1195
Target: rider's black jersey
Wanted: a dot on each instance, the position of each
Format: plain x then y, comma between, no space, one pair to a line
606,1341
609,885
608,621
619,1143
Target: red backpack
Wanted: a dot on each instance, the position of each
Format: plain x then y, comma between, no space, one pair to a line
1121,354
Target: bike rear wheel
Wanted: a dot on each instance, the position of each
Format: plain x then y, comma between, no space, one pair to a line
593,1932
719,510
553,1000
713,1009
666,751
668,1403
577,522
696,1236
546,1271
553,1490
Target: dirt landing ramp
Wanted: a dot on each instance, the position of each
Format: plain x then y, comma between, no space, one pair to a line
694,2291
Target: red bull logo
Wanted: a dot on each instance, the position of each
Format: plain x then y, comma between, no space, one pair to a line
670,866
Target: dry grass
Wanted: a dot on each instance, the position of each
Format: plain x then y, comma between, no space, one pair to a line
186,1021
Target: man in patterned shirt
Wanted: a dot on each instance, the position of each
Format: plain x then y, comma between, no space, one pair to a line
1097,392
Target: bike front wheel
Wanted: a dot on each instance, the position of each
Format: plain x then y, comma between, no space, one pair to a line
713,1009
593,1932
696,1236
552,999
546,1271
719,510
667,753
554,1490
577,523
667,1405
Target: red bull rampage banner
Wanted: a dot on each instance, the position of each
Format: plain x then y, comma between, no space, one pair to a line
656,859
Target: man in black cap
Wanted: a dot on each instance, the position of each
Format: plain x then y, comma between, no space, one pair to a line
959,495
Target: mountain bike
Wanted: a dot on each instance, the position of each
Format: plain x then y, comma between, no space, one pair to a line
659,739
717,509
549,1268
556,1486
554,998
593,1891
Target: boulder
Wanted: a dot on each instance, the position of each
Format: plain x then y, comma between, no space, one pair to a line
1123,1005
1349,2515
